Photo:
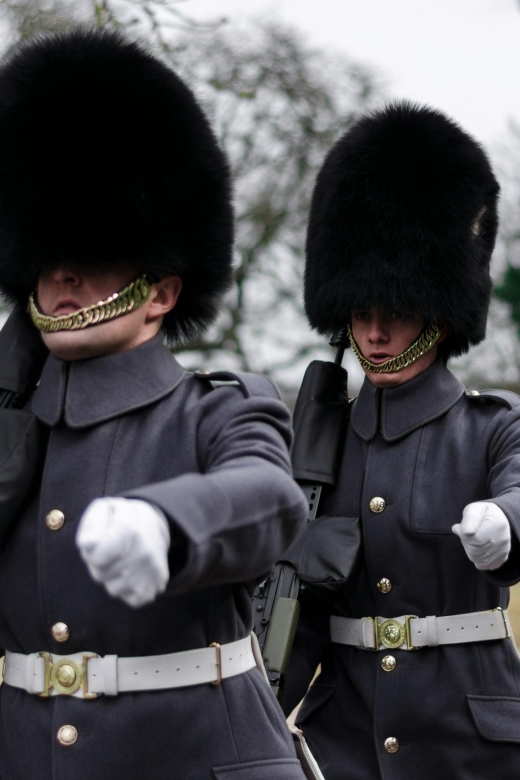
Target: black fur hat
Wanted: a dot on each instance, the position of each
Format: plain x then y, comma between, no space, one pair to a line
106,158
403,217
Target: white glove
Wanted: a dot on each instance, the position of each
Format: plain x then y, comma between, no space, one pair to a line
125,543
485,534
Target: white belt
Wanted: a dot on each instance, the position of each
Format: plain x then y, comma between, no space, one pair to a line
410,632
87,675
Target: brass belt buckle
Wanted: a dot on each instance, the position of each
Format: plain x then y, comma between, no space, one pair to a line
393,634
66,676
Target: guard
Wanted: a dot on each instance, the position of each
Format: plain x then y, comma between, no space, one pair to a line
162,495
420,677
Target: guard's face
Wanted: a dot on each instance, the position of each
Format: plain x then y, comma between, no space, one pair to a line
66,288
381,337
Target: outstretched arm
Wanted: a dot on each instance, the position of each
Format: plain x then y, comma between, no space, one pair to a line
232,521
228,523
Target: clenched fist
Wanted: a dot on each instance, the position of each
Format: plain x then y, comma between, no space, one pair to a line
125,543
485,534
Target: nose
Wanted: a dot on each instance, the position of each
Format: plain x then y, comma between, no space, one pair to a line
64,275
378,333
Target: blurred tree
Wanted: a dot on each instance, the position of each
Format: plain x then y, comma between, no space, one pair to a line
277,105
496,362
509,290
25,18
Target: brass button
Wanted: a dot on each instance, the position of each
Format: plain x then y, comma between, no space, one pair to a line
391,745
68,735
60,632
377,504
384,585
388,663
55,519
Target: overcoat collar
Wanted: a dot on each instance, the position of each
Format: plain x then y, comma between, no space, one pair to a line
87,392
409,406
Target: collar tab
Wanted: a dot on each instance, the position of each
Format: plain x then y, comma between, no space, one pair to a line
88,392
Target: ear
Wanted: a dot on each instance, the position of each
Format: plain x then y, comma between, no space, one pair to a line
163,297
444,333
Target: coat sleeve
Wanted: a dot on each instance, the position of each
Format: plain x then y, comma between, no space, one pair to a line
233,521
504,488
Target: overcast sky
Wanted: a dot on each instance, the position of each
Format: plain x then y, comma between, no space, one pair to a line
459,55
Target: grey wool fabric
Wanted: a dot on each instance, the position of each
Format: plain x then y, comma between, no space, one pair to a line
428,448
215,461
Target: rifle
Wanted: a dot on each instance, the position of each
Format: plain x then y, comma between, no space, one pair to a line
22,436
320,423
22,355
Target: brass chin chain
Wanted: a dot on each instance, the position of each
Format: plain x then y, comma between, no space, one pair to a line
420,346
129,299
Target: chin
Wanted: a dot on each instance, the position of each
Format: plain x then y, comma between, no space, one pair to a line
386,380
107,338
81,344
400,377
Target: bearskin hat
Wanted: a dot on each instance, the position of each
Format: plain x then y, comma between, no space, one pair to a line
106,158
403,217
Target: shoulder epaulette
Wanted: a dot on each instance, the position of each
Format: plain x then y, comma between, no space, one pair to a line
217,378
506,397
250,384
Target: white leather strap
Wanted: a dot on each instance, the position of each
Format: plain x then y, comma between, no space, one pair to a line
102,675
350,631
430,631
458,629
111,675
34,672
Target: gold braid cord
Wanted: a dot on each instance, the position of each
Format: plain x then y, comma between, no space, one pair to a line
129,299
420,346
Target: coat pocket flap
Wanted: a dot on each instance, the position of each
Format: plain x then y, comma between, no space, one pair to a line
275,769
316,697
497,718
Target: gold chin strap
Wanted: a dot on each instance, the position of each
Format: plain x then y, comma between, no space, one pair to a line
427,339
129,299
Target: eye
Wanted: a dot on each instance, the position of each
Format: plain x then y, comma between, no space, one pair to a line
360,315
396,315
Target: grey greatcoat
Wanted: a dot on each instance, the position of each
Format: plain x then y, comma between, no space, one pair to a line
428,448
215,461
